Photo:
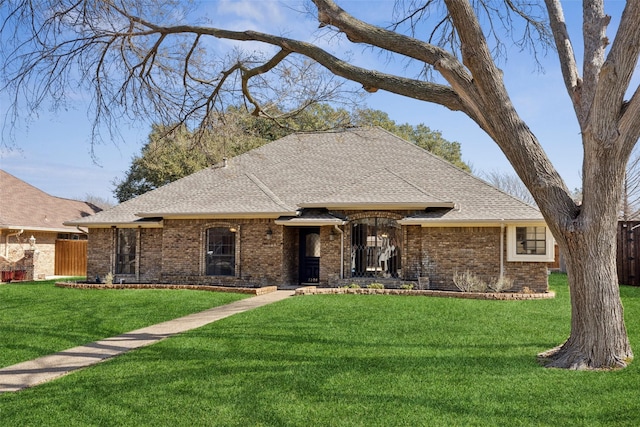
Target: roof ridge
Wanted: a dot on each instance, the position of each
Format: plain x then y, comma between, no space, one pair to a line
266,190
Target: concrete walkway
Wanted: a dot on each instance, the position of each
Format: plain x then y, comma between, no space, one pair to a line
47,368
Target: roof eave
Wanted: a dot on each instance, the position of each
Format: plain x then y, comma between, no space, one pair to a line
377,205
216,215
423,222
121,224
71,229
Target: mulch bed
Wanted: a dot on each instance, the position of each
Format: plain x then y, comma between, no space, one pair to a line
253,291
504,296
313,290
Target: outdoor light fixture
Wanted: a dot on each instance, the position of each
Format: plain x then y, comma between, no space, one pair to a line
332,235
233,229
269,234
32,242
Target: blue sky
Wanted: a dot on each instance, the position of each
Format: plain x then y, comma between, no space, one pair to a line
54,151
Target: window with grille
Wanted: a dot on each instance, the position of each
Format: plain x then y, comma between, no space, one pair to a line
531,240
375,248
221,252
530,243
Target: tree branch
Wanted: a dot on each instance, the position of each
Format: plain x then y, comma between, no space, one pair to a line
568,64
416,89
615,75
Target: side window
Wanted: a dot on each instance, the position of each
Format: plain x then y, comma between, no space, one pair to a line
221,252
126,250
531,240
529,244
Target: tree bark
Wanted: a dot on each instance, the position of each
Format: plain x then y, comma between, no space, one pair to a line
598,338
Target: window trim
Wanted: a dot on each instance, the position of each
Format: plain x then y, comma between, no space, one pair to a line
513,256
117,255
235,249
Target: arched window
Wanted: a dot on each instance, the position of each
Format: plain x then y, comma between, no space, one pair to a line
375,248
221,252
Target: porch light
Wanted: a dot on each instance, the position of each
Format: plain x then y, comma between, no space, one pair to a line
233,229
332,235
269,234
32,242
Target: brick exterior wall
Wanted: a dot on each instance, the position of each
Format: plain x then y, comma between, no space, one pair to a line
100,253
177,252
150,264
446,251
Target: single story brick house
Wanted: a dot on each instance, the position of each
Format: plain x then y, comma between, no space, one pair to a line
325,208
34,242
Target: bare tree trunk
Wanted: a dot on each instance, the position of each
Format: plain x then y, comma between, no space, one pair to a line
598,338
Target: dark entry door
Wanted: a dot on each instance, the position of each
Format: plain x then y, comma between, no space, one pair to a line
309,255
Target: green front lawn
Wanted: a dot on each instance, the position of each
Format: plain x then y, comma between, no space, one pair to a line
36,318
350,360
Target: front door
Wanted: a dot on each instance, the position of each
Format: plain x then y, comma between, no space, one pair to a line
310,255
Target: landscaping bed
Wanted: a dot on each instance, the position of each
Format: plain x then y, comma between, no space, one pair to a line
253,291
313,290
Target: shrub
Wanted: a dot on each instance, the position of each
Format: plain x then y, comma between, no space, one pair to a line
108,279
469,282
352,286
407,286
376,286
501,284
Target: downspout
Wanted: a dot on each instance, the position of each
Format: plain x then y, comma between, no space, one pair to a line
6,244
502,249
138,251
341,250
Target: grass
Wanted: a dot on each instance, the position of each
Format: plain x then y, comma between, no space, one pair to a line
349,360
37,318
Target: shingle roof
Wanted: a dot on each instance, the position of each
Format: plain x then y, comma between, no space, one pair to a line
25,206
355,168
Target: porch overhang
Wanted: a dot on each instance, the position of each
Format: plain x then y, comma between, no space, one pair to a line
310,220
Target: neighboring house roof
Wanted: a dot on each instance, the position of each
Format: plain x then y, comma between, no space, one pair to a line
354,169
23,206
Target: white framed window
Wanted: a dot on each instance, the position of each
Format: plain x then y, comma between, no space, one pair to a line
530,243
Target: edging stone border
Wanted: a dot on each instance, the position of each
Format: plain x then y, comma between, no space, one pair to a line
253,291
502,296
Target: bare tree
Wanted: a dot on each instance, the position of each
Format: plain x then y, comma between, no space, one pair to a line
509,183
156,64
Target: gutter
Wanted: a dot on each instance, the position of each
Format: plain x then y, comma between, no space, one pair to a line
502,227
6,244
341,251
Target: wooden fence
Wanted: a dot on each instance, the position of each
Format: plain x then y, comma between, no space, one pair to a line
71,258
628,258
